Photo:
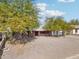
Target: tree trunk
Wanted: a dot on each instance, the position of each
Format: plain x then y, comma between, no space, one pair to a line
2,46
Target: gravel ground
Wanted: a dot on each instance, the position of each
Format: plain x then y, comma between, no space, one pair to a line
45,48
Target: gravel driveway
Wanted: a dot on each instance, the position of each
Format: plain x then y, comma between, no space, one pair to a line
45,48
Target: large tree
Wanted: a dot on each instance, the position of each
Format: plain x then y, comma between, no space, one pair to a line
18,15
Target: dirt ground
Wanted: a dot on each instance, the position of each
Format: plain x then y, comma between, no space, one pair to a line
45,48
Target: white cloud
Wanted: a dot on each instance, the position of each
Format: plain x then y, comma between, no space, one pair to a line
51,13
41,6
67,1
44,12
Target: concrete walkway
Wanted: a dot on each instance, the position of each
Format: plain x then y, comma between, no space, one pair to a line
45,48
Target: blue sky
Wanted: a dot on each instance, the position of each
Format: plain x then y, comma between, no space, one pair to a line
67,8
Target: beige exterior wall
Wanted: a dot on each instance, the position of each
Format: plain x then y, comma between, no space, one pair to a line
75,31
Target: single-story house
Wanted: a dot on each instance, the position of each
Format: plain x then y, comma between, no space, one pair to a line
44,32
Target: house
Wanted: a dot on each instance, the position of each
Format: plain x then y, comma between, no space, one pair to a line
41,32
76,30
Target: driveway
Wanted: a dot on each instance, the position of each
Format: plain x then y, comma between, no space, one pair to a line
45,48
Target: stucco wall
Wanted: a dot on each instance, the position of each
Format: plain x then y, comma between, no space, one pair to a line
74,31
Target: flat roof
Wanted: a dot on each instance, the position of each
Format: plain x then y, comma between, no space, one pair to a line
39,29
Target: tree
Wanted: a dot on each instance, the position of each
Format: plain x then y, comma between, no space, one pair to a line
19,16
74,22
22,13
54,24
